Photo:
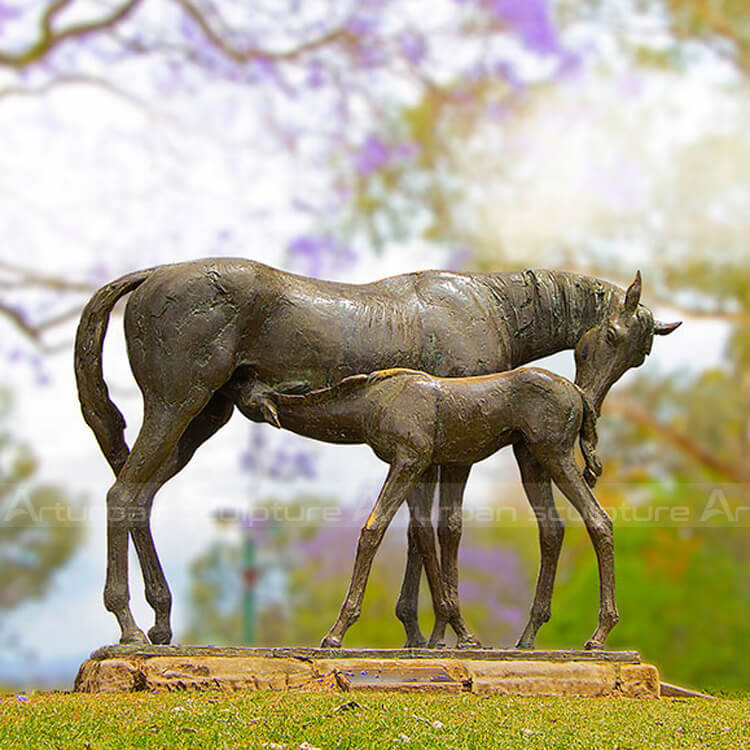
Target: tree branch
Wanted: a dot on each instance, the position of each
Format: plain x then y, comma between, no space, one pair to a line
242,56
49,39
67,80
35,332
34,278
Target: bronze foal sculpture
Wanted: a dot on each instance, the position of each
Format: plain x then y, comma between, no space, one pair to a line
414,421
202,334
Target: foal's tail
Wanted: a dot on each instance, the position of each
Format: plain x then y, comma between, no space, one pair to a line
100,413
348,386
589,438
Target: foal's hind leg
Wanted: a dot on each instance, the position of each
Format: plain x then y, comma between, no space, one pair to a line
214,416
161,429
408,601
420,506
407,607
536,483
599,526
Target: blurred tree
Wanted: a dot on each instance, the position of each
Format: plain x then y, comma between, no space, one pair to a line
453,129
215,596
41,526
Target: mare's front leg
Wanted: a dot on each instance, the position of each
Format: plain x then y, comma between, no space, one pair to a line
568,478
408,601
453,480
536,484
401,478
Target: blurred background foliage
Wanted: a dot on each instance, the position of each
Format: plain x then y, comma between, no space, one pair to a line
40,526
594,135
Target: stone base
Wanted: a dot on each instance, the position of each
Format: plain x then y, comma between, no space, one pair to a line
480,671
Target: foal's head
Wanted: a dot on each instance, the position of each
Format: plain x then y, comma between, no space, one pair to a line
618,342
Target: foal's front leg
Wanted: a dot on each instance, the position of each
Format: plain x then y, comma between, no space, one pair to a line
401,478
599,526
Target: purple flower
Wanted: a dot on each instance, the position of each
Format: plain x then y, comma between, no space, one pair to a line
8,13
304,465
459,258
22,698
501,563
570,64
371,156
531,20
360,26
315,75
404,151
412,46
316,255
508,71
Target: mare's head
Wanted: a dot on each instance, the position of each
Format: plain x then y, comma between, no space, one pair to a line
619,341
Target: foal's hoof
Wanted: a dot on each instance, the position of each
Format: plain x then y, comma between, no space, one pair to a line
468,641
420,642
134,638
593,645
522,644
436,644
331,641
159,636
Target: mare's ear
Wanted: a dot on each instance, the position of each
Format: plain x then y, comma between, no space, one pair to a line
664,329
633,296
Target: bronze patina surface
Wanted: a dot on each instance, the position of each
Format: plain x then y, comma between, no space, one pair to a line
415,422
206,336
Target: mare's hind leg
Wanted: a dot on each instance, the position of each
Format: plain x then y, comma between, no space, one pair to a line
214,416
536,484
450,526
568,478
161,429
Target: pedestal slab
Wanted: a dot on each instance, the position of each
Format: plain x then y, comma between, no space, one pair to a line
480,671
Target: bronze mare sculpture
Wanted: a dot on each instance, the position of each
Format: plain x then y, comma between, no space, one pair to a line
203,336
414,421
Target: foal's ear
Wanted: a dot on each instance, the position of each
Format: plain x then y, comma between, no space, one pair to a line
633,295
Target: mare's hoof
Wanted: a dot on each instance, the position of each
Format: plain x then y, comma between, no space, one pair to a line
436,644
134,638
468,642
330,641
159,637
593,645
420,642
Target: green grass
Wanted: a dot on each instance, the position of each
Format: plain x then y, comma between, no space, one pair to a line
252,720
